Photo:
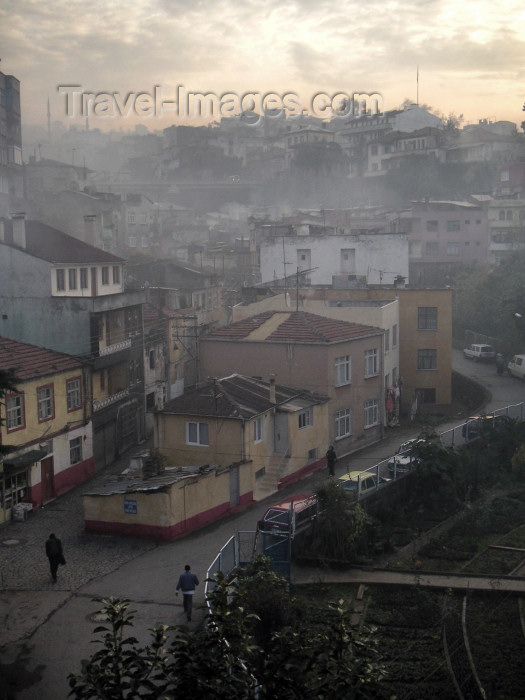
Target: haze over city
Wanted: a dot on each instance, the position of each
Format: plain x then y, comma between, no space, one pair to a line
457,58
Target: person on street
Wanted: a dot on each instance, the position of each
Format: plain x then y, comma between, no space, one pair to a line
331,459
187,582
55,555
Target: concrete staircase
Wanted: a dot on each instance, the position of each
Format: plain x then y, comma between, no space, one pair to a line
270,481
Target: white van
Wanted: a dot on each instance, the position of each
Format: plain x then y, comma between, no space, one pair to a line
516,366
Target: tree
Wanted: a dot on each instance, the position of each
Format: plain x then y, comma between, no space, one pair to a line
8,384
191,664
341,532
307,653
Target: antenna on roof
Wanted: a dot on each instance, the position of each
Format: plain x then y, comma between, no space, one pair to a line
417,86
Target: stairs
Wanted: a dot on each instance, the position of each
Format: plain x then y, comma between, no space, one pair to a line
270,481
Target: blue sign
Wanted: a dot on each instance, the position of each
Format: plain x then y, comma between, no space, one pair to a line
130,506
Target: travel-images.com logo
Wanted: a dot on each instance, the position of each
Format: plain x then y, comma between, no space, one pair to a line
248,106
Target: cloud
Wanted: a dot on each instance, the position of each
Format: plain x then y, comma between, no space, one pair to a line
303,45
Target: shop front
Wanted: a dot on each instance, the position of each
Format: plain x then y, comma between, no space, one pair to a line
15,482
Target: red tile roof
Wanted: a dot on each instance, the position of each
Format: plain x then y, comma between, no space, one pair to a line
296,327
31,362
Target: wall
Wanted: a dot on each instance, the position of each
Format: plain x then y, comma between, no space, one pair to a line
379,257
177,510
306,366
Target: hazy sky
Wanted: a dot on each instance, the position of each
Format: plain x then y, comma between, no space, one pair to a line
470,53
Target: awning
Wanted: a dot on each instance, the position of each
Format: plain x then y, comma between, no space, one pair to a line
21,462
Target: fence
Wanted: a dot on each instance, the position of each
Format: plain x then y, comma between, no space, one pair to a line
239,550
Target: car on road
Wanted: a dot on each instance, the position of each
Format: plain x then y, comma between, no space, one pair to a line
475,426
290,515
479,351
360,483
516,367
405,459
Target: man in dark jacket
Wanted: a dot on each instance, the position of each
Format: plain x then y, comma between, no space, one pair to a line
186,584
331,459
54,554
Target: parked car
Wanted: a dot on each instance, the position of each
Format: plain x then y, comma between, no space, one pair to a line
359,482
479,351
516,367
478,425
405,459
289,516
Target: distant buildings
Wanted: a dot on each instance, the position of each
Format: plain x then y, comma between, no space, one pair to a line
11,170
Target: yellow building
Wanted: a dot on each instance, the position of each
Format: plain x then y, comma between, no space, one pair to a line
46,424
244,438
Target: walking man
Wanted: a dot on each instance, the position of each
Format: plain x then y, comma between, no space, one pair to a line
186,584
54,554
331,459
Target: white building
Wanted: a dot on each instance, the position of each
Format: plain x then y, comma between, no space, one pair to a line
328,257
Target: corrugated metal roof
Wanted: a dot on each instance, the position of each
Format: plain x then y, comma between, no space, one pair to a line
31,362
239,397
293,327
135,483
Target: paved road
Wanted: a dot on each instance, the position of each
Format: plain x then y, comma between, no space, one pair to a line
45,629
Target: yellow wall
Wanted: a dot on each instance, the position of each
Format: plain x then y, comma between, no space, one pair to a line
33,430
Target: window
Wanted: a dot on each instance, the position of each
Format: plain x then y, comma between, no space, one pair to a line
105,275
257,430
509,215
45,403
373,150
152,359
61,279
501,215
83,278
505,176
72,274
342,423
432,226
143,219
131,217
453,226
74,396
75,450
342,370
427,359
306,418
15,412
371,412
394,335
371,362
387,340
452,248
432,248
132,241
116,274
427,317
144,242
197,433
426,396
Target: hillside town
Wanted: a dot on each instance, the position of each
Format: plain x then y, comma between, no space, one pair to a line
236,296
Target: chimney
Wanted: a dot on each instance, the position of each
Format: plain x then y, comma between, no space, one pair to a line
89,228
19,229
272,390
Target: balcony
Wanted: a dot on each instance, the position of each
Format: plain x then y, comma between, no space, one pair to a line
115,347
114,398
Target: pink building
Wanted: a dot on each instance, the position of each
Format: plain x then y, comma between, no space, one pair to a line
340,359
